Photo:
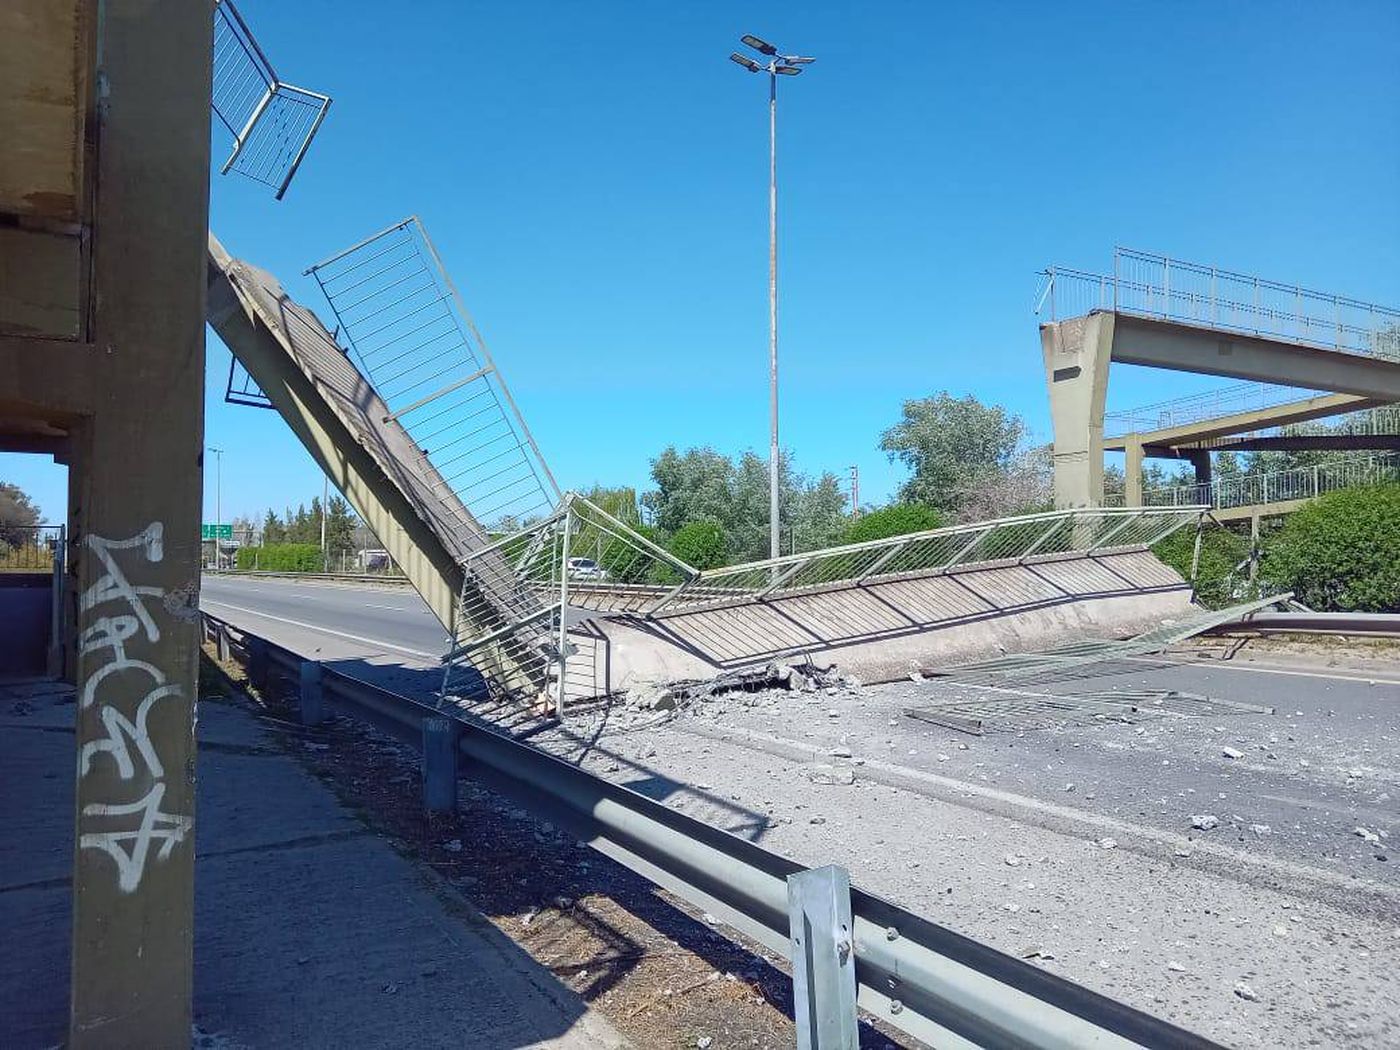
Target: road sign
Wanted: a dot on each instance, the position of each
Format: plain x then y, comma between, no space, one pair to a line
215,532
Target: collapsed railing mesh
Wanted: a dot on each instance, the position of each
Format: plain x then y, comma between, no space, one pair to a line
411,335
272,123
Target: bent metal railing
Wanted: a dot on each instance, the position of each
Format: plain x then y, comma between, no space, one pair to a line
918,977
528,597
1151,285
272,122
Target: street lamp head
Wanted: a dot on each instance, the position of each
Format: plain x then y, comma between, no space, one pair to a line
761,46
798,60
787,71
745,61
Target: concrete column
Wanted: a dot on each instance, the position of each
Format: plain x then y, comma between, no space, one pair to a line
1132,471
138,547
1200,461
1076,353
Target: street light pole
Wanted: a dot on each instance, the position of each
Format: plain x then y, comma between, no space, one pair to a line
777,65
773,311
218,501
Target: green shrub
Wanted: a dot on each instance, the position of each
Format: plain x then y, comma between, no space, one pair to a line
1217,583
898,519
701,544
1341,552
281,557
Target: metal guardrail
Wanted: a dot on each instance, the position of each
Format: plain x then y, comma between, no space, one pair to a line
916,976
1195,408
1151,285
1299,483
272,122
340,577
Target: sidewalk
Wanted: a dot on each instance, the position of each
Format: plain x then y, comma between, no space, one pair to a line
310,931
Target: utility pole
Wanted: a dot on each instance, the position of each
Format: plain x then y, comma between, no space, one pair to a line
777,65
855,491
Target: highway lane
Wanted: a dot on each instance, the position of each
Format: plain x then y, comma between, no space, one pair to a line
334,620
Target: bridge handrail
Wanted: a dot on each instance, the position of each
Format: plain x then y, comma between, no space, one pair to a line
1295,483
1151,285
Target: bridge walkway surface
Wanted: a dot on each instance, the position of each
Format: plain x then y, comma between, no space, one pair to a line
310,930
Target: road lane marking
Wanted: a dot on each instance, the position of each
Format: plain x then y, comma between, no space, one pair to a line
324,630
1210,665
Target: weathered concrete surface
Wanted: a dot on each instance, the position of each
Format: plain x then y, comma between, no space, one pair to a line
309,931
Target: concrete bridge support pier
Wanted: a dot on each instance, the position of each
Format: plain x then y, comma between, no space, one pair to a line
107,367
1077,352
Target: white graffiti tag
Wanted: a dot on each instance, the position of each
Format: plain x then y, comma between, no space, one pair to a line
154,827
127,738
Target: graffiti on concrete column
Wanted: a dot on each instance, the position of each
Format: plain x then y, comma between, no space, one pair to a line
128,829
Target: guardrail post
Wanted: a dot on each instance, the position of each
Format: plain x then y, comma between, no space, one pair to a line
312,695
257,661
221,642
823,966
440,765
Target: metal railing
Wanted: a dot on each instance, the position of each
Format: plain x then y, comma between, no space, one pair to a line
1298,483
412,336
1195,408
914,975
1081,530
1151,285
30,548
272,122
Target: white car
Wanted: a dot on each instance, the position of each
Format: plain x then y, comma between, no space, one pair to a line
586,569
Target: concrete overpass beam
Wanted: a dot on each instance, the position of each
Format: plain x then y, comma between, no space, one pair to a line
1077,353
1208,351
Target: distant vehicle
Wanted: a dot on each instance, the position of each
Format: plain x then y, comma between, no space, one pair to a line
586,569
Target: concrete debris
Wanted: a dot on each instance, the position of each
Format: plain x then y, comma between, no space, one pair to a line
1107,843
1261,829
1232,752
840,752
1175,967
1365,835
704,1042
1036,952
1012,860
824,774
807,678
1246,993
1204,821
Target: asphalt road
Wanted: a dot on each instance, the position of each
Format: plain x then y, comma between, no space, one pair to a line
337,620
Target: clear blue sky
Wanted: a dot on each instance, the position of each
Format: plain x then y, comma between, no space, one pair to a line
595,176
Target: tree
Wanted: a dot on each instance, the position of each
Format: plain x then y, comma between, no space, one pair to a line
340,528
274,530
898,519
1338,552
17,515
700,544
704,485
694,486
952,446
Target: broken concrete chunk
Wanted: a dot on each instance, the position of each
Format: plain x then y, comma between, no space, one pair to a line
1365,835
1232,752
1204,821
1246,993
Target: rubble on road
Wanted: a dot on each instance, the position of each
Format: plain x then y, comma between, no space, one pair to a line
1204,821
803,678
